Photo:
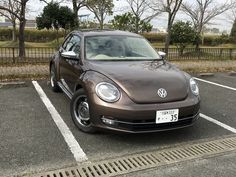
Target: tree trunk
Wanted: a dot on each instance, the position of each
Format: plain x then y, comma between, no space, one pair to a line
14,31
22,30
101,25
57,37
198,41
75,10
202,38
181,50
22,38
167,41
136,24
101,22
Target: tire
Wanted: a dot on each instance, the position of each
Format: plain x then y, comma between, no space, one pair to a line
53,81
79,109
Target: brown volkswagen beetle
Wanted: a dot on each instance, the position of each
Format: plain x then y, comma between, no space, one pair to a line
117,81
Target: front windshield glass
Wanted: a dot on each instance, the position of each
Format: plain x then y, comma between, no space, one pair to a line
118,48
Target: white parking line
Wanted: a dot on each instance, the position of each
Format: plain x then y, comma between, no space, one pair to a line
213,83
74,146
218,123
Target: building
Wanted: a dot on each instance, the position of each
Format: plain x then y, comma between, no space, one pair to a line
158,30
6,23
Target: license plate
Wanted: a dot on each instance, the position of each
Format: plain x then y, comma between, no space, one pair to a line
166,116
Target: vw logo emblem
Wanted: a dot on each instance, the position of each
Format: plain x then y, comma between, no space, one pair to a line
162,93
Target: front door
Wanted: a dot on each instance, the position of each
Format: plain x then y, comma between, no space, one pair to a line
70,69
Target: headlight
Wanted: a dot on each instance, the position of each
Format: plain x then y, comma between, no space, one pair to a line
194,87
107,92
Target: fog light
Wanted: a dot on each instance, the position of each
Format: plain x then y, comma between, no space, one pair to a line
108,121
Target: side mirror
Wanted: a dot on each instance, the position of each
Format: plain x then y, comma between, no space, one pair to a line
70,55
60,49
162,54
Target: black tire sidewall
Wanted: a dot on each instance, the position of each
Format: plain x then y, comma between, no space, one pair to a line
54,88
89,129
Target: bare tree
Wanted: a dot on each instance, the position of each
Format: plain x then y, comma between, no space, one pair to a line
171,7
49,1
13,6
203,11
142,10
77,5
21,17
231,16
101,9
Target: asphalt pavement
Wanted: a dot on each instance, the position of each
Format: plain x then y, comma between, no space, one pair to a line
31,141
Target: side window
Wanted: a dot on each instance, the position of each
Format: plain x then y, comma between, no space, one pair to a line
73,44
65,42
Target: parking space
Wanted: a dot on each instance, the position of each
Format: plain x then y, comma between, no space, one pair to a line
105,145
219,102
226,79
30,139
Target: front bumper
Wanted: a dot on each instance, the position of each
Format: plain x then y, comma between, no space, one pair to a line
127,116
150,126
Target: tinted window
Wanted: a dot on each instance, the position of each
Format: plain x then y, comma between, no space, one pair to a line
65,42
119,48
73,44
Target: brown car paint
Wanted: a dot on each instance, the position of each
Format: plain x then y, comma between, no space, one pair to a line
138,82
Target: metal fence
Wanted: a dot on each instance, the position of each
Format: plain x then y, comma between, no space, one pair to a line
9,55
201,54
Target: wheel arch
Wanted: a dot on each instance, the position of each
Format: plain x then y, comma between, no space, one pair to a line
78,86
56,65
50,65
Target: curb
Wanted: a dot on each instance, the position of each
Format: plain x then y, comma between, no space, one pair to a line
232,73
206,74
12,84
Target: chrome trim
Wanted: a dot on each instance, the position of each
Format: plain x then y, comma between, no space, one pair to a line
64,90
104,99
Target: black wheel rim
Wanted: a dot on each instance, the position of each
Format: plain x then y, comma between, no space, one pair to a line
81,111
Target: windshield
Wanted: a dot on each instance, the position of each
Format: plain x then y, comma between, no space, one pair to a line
118,48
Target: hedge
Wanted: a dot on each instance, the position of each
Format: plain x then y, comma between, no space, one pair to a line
5,34
34,35
31,35
210,40
154,37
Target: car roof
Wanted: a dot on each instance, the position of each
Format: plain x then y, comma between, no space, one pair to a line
98,32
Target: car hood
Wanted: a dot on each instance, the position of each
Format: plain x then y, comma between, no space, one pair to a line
141,80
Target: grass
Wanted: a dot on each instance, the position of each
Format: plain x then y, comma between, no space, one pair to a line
20,77
227,45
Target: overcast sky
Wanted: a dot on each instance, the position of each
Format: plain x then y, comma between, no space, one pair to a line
220,22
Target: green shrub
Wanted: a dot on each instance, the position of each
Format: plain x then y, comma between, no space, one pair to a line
42,35
214,40
5,34
223,39
32,35
232,40
209,39
154,37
